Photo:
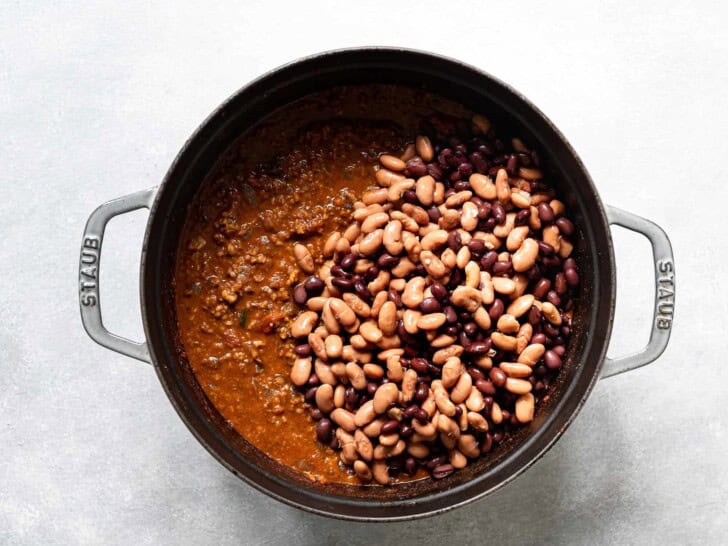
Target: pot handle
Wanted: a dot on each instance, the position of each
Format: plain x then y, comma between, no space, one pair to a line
88,273
664,292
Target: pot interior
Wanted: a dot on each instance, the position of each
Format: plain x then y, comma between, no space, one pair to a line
512,116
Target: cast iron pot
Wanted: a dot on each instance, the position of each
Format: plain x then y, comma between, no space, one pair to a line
585,361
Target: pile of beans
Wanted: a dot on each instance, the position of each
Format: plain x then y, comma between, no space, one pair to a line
442,313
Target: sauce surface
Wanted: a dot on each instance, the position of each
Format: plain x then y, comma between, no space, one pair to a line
293,178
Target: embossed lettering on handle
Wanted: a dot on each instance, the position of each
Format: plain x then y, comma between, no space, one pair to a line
664,307
88,274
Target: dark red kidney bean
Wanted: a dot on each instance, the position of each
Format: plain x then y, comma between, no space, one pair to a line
500,268
541,288
410,466
488,225
443,156
486,387
416,167
465,170
343,284
313,380
434,214
334,443
442,471
430,305
565,226
450,330
410,411
386,261
314,285
390,426
477,201
572,277
419,364
436,461
454,240
422,392
498,437
410,197
551,262
348,261
396,464
569,263
498,377
439,291
540,386
512,165
362,291
506,414
540,338
498,213
534,315
455,176
464,340
371,273
558,340
350,396
540,370
449,192
487,444
434,370
484,210
513,420
476,247
496,309
464,315
477,348
470,328
323,430
304,349
451,315
550,330
458,411
545,213
545,249
461,185
522,217
534,273
338,271
475,373
553,297
559,350
372,388
566,331
395,297
552,360
422,416
488,260
560,284
406,430
316,414
310,394
434,171
300,296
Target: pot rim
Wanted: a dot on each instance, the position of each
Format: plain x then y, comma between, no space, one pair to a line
338,500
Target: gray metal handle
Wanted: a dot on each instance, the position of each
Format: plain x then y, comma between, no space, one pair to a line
664,292
88,274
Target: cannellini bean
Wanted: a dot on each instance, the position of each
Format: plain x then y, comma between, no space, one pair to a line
469,216
392,163
342,312
395,372
385,396
388,318
433,265
472,275
474,401
503,285
365,414
483,186
449,258
457,459
451,372
524,258
301,371
525,405
358,305
380,471
468,445
507,324
463,257
371,242
515,369
516,237
457,199
304,323
356,375
504,342
502,187
373,371
477,421
434,239
370,331
318,346
414,292
418,450
431,321
520,306
424,148
551,313
482,318
425,190
304,258
392,237
466,297
386,178
409,321
532,354
518,386
325,398
409,383
333,345
440,356
461,390
362,471
344,418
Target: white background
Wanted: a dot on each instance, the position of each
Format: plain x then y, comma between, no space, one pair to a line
96,99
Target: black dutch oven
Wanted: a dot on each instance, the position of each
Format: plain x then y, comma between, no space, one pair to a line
585,361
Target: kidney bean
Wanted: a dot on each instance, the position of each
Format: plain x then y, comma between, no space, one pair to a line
541,288
304,349
485,386
300,295
502,268
534,315
498,377
348,261
342,283
422,392
498,213
559,350
416,168
387,261
549,329
390,427
522,217
430,305
314,285
572,277
565,226
434,171
553,298
488,260
496,310
552,360
438,291
316,414
310,394
419,364
470,328
323,430
442,471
